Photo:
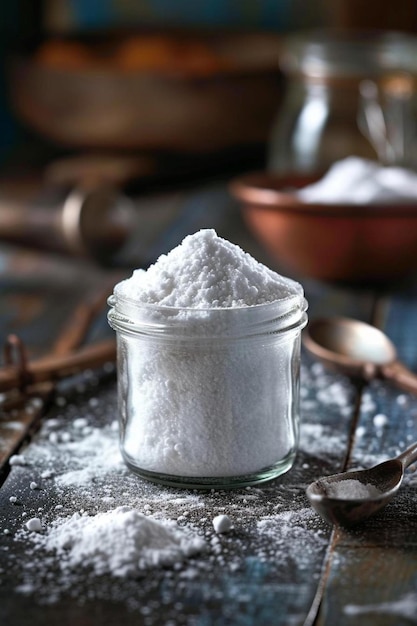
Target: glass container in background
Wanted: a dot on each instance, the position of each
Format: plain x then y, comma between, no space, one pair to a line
348,93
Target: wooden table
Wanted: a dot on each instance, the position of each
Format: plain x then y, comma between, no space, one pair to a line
281,564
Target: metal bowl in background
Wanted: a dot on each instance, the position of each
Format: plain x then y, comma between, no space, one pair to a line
354,244
107,105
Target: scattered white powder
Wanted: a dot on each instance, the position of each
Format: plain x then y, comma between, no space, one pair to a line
350,489
220,408
318,440
274,531
402,399
294,537
360,432
12,425
34,525
405,607
360,181
17,459
222,524
380,420
120,542
368,403
206,271
84,467
97,454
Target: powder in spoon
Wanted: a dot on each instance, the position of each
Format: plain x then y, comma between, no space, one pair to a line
350,489
225,403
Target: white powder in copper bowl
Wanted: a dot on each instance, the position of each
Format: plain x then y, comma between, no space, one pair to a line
361,181
209,354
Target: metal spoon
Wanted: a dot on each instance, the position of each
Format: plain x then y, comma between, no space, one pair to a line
386,478
357,349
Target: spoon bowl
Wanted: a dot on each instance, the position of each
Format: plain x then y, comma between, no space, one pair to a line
351,497
358,350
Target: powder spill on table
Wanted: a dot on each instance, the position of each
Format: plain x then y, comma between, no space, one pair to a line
83,472
80,470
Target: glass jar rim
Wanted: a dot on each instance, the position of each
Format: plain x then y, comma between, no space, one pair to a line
348,53
129,315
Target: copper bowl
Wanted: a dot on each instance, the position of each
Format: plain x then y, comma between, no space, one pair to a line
356,244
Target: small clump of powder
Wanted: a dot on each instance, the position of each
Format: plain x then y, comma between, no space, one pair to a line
206,271
223,408
34,525
120,542
350,489
222,524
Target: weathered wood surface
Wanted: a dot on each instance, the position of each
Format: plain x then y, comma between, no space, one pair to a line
373,569
53,306
250,576
269,573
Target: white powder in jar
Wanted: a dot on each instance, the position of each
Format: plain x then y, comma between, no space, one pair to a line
219,407
206,272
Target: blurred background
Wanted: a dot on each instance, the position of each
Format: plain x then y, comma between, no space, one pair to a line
122,123
43,31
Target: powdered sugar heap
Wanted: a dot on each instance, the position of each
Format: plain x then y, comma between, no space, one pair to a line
206,271
120,542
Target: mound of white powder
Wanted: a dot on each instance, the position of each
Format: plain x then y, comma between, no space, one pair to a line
121,542
350,489
361,181
206,271
221,406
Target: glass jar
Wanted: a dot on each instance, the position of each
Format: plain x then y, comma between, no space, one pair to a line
208,398
347,93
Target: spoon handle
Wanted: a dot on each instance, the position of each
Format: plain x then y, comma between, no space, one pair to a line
408,456
399,374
